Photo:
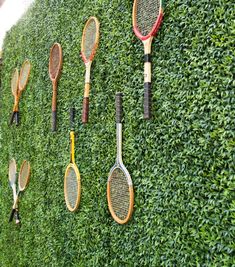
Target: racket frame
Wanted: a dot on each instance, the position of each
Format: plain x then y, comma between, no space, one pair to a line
88,62
15,94
54,80
119,165
147,42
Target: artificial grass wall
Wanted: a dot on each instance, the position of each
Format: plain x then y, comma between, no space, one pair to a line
181,162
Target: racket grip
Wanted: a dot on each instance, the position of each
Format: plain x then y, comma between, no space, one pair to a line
54,116
72,117
17,217
17,118
147,101
12,117
118,101
11,215
85,109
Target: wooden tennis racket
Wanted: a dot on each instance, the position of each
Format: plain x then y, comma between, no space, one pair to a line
23,181
147,17
120,193
12,181
90,41
22,82
14,90
55,65
72,181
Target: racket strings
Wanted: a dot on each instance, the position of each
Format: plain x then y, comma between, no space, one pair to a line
119,194
24,176
72,188
55,61
146,15
90,38
12,171
14,82
24,75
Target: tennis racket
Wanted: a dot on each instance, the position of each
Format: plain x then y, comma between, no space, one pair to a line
23,80
90,41
120,193
72,181
147,17
23,181
12,180
14,90
55,65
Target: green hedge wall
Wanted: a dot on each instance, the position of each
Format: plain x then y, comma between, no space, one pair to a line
181,162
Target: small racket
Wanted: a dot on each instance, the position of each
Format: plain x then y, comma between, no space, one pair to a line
12,180
23,181
90,41
147,17
120,193
72,181
55,65
14,90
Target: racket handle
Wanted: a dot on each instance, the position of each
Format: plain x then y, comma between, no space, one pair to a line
54,116
12,117
17,217
85,110
147,101
118,101
12,215
17,118
72,118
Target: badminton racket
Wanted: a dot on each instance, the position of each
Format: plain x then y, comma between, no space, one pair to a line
90,40
55,65
120,193
72,181
147,17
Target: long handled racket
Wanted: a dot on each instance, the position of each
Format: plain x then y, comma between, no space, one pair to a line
14,90
120,193
147,17
55,65
12,180
90,41
23,181
72,181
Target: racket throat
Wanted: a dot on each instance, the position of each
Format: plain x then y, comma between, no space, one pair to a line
119,142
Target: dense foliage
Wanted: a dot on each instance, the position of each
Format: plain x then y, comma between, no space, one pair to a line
181,162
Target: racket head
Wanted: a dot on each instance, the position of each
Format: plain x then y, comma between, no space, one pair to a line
24,75
120,194
15,82
55,62
72,187
12,172
24,175
146,18
90,39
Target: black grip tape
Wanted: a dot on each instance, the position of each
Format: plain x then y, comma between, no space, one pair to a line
147,101
72,118
12,215
17,217
147,58
54,116
12,117
118,107
17,118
